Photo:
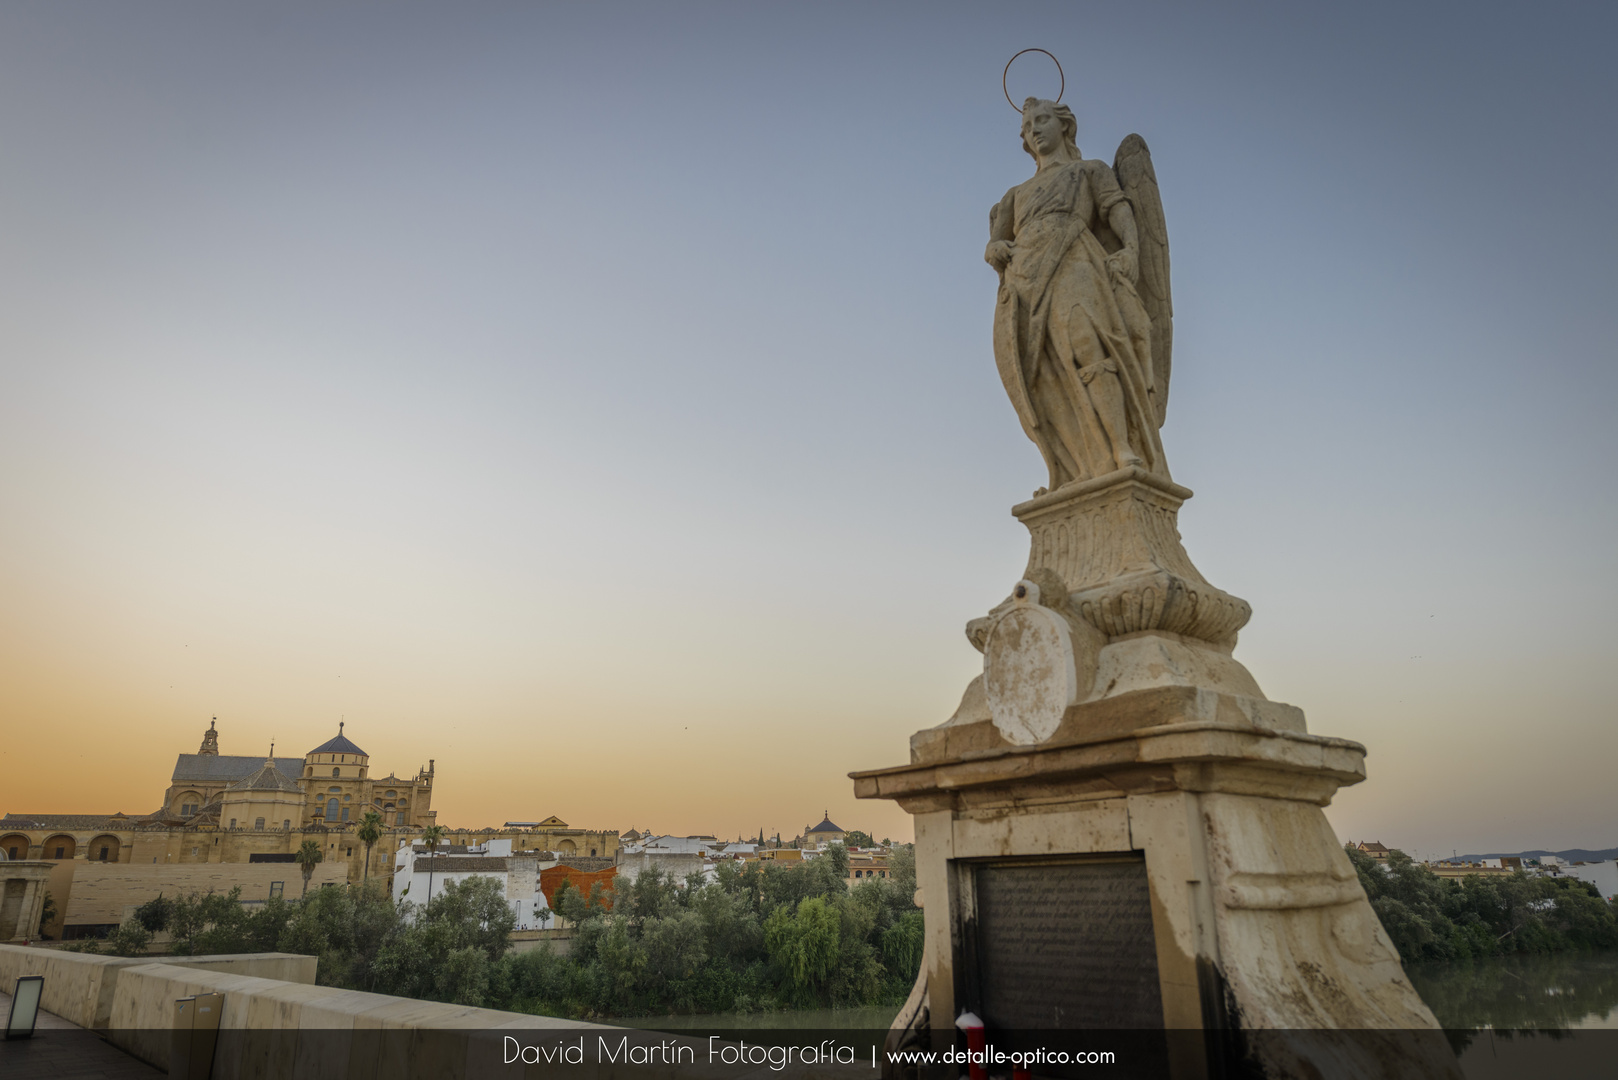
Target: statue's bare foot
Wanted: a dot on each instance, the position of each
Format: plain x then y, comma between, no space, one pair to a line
1041,491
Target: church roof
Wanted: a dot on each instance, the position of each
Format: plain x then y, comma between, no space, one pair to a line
338,744
267,778
826,826
213,768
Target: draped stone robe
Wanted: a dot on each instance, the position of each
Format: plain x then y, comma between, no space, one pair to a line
1063,320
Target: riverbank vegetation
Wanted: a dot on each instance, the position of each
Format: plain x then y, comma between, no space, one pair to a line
1434,918
759,937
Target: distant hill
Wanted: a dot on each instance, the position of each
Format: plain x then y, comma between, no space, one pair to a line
1571,855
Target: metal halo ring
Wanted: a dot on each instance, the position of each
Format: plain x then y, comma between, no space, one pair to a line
1007,91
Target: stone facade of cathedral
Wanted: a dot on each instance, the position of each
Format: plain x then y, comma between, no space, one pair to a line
248,809
334,785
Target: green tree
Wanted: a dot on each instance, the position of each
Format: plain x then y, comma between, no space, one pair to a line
447,950
838,855
309,856
1433,918
902,945
345,928
803,942
430,836
208,923
370,831
154,914
902,872
130,939
856,838
676,949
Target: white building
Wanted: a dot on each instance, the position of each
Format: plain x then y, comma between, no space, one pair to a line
1603,875
416,872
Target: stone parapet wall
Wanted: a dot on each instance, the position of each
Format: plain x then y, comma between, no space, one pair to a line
80,987
272,1028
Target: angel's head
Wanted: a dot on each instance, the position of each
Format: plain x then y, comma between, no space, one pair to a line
1049,129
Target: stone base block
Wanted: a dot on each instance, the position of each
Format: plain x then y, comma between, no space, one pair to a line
1262,936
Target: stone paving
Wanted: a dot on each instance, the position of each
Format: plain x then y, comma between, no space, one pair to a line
61,1050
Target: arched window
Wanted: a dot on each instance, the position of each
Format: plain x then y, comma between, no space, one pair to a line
287,825
336,773
258,824
331,810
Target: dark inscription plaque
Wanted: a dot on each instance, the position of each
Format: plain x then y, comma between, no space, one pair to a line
1065,946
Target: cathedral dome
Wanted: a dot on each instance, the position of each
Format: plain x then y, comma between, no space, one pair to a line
337,744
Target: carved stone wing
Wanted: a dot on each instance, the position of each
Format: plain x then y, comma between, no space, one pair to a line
1133,166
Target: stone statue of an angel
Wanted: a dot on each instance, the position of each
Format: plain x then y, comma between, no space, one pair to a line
1083,322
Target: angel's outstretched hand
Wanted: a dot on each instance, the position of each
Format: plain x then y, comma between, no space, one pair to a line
1124,263
998,253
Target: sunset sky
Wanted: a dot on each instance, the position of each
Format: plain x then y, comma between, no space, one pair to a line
599,400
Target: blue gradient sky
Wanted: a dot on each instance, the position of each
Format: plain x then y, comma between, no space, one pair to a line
599,399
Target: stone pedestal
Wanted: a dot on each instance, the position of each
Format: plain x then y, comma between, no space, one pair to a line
1170,759
1115,542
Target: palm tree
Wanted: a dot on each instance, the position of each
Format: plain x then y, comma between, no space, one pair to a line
308,857
430,836
370,831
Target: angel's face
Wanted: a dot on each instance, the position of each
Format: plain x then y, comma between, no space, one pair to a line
1042,129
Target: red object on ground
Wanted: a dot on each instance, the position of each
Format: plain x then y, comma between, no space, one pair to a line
976,1042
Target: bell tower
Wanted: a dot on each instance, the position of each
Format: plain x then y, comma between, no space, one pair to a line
210,740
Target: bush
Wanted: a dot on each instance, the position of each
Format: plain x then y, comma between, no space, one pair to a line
130,939
154,914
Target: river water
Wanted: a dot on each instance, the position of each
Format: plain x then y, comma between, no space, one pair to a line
1527,1016
1558,992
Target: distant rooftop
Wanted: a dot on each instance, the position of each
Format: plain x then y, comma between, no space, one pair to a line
826,826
